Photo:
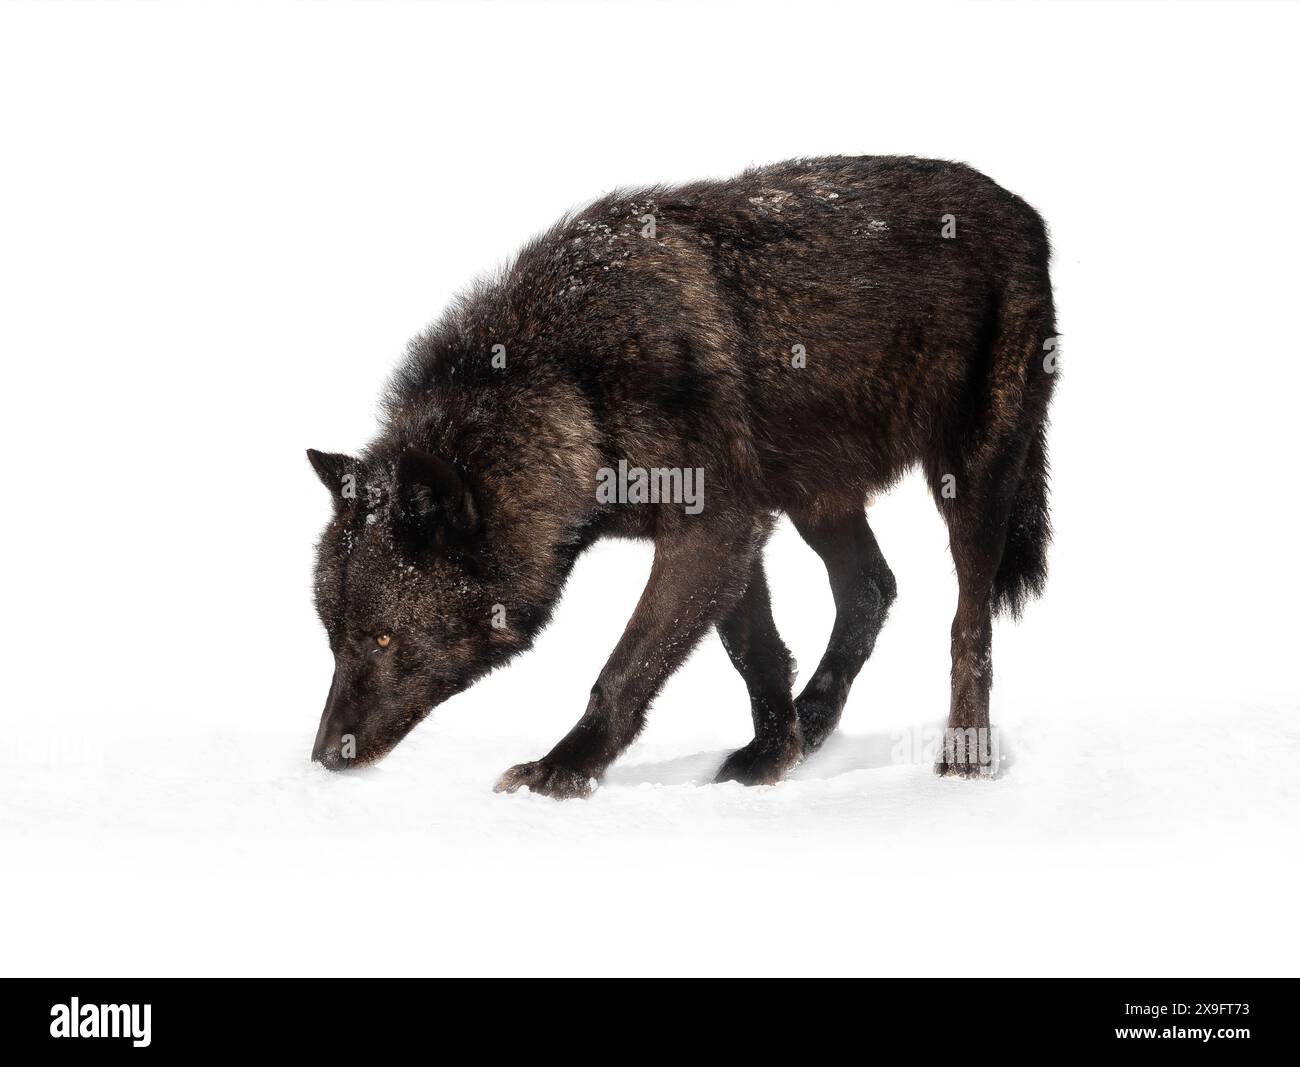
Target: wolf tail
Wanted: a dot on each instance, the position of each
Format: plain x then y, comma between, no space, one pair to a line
1023,570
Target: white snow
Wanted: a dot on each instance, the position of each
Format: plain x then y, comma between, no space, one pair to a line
1089,857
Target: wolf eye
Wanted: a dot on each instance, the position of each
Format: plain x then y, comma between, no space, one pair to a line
383,640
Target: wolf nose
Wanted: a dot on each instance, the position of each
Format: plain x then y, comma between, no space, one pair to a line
328,751
328,747
328,758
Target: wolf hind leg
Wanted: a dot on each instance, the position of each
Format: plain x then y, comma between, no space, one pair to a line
989,476
863,587
977,532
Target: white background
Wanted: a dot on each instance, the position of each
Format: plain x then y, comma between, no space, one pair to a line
220,224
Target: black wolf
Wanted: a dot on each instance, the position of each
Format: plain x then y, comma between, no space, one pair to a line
798,338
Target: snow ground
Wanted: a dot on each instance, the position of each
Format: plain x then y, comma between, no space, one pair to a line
1088,856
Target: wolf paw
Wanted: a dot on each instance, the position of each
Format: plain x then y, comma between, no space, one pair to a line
948,766
547,779
968,752
764,764
818,718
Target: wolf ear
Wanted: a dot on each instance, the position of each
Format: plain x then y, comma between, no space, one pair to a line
336,471
433,495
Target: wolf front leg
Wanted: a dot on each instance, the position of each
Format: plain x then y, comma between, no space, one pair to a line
700,570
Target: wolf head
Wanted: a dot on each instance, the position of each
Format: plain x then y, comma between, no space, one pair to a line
409,595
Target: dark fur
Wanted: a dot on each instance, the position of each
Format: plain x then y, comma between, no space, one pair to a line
675,350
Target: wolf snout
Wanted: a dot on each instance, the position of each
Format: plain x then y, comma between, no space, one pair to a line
330,758
328,749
